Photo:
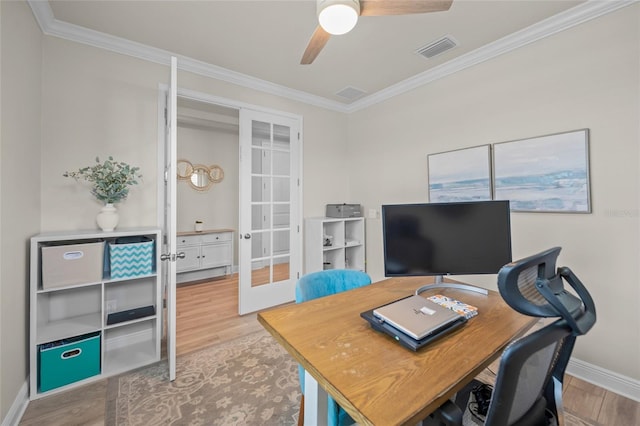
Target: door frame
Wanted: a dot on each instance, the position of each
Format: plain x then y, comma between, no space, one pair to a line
163,89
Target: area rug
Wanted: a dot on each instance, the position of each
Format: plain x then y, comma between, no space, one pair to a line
251,380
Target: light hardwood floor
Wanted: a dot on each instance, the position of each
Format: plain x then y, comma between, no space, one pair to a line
208,314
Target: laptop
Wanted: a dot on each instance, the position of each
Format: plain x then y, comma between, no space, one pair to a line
416,316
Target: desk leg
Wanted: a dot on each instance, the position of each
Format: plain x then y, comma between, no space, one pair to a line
315,402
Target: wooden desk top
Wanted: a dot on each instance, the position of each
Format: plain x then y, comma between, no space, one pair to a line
375,379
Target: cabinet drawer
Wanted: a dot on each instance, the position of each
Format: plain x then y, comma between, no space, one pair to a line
188,240
216,237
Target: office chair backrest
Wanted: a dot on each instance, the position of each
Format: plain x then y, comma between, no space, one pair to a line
526,367
532,368
532,287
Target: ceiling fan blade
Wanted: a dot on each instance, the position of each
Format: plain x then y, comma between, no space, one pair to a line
402,7
319,38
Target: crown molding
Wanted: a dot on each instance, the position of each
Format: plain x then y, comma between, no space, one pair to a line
577,15
56,28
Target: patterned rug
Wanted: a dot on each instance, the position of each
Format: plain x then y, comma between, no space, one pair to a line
251,380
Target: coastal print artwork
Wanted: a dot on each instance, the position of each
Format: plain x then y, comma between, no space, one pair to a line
544,174
461,175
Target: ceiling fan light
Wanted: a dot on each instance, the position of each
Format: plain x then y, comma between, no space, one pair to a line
338,16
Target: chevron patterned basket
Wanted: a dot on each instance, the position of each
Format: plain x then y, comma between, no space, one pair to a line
132,259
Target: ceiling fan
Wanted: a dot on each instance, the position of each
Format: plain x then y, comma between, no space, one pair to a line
338,17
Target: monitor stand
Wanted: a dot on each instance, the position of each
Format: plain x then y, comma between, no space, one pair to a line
439,283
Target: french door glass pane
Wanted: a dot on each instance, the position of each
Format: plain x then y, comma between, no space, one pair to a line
260,217
270,202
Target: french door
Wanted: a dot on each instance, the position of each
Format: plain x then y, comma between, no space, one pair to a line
269,219
269,223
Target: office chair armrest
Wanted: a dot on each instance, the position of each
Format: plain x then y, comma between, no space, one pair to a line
449,414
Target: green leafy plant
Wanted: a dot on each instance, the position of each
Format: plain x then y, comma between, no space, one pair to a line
110,180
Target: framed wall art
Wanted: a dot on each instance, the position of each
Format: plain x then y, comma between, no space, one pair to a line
460,175
544,174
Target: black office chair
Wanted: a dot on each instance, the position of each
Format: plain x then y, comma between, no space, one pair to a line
528,388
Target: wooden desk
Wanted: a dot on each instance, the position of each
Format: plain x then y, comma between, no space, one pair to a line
377,381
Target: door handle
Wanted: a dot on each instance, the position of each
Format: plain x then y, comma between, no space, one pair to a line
247,236
171,257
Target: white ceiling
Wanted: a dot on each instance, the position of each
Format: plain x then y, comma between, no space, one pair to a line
265,39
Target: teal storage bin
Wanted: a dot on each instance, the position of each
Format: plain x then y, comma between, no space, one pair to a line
131,257
67,361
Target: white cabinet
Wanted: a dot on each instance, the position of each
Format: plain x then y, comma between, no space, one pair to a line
334,243
206,254
102,326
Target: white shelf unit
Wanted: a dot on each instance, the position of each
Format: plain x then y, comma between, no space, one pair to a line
70,311
334,243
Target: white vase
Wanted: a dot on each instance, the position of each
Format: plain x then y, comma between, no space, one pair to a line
107,219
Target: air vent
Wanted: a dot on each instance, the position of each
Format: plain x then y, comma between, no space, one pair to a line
437,47
351,93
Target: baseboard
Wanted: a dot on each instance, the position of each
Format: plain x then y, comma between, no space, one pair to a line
606,379
201,274
18,407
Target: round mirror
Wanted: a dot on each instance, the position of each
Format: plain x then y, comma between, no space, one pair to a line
185,169
200,178
216,174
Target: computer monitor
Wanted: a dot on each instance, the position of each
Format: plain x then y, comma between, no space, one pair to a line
462,238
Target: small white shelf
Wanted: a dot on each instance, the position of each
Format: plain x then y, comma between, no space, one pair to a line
127,323
70,287
347,243
117,280
72,311
68,327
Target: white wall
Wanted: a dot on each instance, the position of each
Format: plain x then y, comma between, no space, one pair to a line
101,103
96,103
20,82
218,206
586,77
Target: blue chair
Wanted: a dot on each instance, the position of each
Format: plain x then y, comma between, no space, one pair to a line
321,284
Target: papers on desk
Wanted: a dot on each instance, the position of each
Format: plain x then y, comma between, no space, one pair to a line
463,309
